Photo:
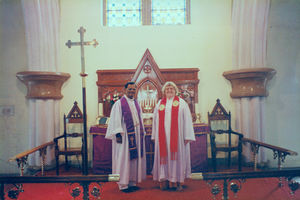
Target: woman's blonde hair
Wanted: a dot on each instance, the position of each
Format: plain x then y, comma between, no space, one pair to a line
172,84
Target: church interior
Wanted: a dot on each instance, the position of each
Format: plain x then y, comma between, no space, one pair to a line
64,63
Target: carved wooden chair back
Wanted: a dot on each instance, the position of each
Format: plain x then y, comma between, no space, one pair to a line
222,137
70,143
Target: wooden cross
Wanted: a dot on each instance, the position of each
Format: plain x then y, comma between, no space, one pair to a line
82,43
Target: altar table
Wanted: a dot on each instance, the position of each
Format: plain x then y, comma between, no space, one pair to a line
102,149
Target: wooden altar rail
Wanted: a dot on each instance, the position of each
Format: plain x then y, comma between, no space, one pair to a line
278,152
83,180
285,172
230,177
21,158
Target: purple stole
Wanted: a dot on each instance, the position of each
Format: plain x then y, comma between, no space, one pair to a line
130,128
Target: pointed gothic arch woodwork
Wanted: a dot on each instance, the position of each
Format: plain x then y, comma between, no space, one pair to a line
111,83
148,94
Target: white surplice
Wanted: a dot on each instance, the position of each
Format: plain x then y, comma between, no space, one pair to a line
179,169
131,171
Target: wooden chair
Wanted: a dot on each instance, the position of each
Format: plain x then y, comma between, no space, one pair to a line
222,137
72,143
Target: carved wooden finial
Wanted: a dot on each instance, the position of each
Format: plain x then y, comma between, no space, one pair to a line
75,115
218,112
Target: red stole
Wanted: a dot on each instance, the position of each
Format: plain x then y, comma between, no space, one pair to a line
174,130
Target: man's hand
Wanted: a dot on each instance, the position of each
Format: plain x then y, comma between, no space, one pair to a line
119,138
186,142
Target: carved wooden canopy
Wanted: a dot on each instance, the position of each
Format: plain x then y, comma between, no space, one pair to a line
149,80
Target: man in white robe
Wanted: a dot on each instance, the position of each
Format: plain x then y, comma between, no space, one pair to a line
126,130
175,166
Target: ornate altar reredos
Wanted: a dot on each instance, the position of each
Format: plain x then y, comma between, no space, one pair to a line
149,80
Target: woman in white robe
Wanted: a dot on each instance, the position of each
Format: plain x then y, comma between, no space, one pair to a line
173,172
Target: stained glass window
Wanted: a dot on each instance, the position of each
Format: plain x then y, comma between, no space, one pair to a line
123,13
145,12
168,12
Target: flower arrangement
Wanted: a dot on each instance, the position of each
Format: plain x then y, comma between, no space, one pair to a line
182,95
112,98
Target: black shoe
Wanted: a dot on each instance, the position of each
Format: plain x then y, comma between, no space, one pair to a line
179,188
127,190
172,189
134,188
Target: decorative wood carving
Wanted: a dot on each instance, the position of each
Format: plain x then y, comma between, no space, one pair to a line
249,82
43,85
75,115
149,80
148,95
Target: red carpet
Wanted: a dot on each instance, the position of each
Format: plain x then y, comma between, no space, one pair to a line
252,189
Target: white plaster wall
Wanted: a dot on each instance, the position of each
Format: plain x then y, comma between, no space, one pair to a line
283,54
13,129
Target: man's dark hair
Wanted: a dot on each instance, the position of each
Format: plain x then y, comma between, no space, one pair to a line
129,83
